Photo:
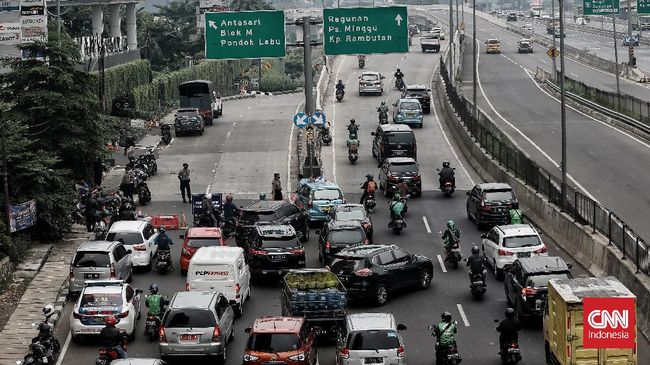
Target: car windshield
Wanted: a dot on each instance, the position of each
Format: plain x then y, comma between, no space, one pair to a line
203,242
280,242
403,167
373,340
345,264
327,194
129,238
101,300
350,215
273,342
431,36
189,318
187,113
369,77
521,241
401,138
410,105
493,41
91,259
541,281
251,216
347,236
416,92
498,195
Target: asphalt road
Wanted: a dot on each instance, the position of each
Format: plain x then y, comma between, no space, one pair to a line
477,337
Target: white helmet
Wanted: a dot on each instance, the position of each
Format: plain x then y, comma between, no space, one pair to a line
208,196
48,310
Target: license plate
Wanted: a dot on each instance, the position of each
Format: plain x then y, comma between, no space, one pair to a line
278,257
91,276
399,152
326,209
410,115
374,360
188,338
523,254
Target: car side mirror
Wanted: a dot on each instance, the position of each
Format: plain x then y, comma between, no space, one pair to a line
128,251
401,327
139,291
372,133
428,90
248,330
483,235
181,236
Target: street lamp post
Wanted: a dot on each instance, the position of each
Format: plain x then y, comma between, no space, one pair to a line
474,63
553,35
563,204
451,41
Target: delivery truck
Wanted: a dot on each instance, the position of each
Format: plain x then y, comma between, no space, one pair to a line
564,328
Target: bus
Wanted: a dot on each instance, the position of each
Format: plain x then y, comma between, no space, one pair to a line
200,94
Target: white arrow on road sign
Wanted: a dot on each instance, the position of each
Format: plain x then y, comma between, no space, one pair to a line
212,24
318,119
398,19
300,120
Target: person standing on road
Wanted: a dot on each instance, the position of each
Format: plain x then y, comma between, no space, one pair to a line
276,187
128,183
184,178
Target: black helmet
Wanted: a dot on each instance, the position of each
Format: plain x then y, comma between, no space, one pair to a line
352,121
369,177
446,317
398,70
153,288
510,313
475,250
445,164
161,230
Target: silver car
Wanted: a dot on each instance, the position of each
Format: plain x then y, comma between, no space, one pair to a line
100,260
197,323
370,338
371,82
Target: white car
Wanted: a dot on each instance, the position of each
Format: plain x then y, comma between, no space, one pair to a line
138,236
528,27
101,298
502,245
439,30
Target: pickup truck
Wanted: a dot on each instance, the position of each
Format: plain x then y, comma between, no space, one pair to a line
565,330
316,294
430,41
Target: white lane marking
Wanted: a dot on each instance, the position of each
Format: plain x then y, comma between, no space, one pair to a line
462,314
216,164
290,154
426,224
538,148
59,361
442,264
574,75
333,124
241,115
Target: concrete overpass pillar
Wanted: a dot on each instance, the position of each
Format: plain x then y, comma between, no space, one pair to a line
115,20
98,20
131,29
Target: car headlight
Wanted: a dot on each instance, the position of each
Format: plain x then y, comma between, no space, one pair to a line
248,358
298,357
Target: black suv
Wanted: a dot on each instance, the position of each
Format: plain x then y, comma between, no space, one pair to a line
188,120
354,212
273,249
526,283
400,167
421,93
393,140
488,203
375,270
271,211
337,235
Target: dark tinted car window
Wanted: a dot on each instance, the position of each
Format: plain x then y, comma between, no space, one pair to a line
188,318
539,281
280,242
403,167
273,342
347,236
498,195
129,238
250,216
190,113
373,340
416,92
91,259
385,258
347,264
521,241
203,242
403,138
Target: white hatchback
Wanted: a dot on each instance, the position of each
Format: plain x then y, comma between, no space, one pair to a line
502,245
139,237
101,298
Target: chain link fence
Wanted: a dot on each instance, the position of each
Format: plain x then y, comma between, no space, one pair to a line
578,205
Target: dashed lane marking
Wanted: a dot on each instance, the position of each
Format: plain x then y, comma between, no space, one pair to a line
59,361
462,314
426,224
442,264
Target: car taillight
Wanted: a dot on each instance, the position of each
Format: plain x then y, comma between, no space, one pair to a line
76,315
328,245
528,291
237,289
400,351
162,335
486,208
298,251
248,358
186,253
140,247
310,204
503,252
541,250
363,272
257,252
365,242
123,314
415,147
187,286
416,178
151,317
113,270
345,353
216,334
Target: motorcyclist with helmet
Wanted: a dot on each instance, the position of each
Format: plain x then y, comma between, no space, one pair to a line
208,210
383,111
369,187
445,174
451,235
353,129
113,338
164,242
445,333
396,206
155,301
508,329
475,264
398,75
340,87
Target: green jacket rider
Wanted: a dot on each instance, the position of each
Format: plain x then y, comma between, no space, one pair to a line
154,301
446,330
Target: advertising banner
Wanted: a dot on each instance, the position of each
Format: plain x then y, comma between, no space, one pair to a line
22,216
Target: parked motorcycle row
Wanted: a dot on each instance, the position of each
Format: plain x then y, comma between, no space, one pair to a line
143,166
44,346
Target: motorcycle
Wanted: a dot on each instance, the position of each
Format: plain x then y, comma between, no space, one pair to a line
163,261
228,227
362,61
510,353
127,210
353,150
46,338
454,256
339,95
106,356
144,194
325,136
152,327
478,286
383,117
38,355
397,224
165,133
448,188
447,355
399,84
370,203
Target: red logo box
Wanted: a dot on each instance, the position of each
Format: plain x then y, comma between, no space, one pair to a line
609,323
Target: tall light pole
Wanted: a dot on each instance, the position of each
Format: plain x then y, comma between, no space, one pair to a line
563,107
474,63
618,86
631,60
451,41
554,46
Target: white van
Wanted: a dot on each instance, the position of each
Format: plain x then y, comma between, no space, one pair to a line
221,269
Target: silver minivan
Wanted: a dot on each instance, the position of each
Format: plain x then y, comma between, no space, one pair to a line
100,260
197,323
370,338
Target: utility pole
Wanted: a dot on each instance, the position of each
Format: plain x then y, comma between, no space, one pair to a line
457,22
5,176
102,69
631,60
451,42
259,76
58,21
563,204
618,86
474,63
553,35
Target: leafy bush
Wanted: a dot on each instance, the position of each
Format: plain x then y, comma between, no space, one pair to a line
277,82
121,80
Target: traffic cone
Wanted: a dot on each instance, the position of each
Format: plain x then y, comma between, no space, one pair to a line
183,224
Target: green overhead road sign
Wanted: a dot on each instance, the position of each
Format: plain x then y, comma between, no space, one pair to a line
643,6
600,7
365,30
244,34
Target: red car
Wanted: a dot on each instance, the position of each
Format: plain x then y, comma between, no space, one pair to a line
196,238
280,340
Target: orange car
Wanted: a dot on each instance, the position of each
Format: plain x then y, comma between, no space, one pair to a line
196,238
286,340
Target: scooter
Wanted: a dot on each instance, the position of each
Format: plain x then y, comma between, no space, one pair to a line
510,353
447,355
362,61
370,203
454,256
478,286
325,136
144,194
397,224
152,327
353,150
165,133
38,355
106,356
448,188
399,84
164,261
383,117
339,95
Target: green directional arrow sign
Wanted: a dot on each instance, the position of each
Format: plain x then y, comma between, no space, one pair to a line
244,34
643,6
600,7
365,30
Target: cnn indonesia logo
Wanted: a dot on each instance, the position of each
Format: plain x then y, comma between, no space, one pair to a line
609,323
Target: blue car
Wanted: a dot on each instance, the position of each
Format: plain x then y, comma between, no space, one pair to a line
319,198
408,111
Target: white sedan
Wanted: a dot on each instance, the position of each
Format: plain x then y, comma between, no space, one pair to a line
439,30
502,245
528,27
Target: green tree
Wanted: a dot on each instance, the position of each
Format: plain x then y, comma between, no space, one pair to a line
293,63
